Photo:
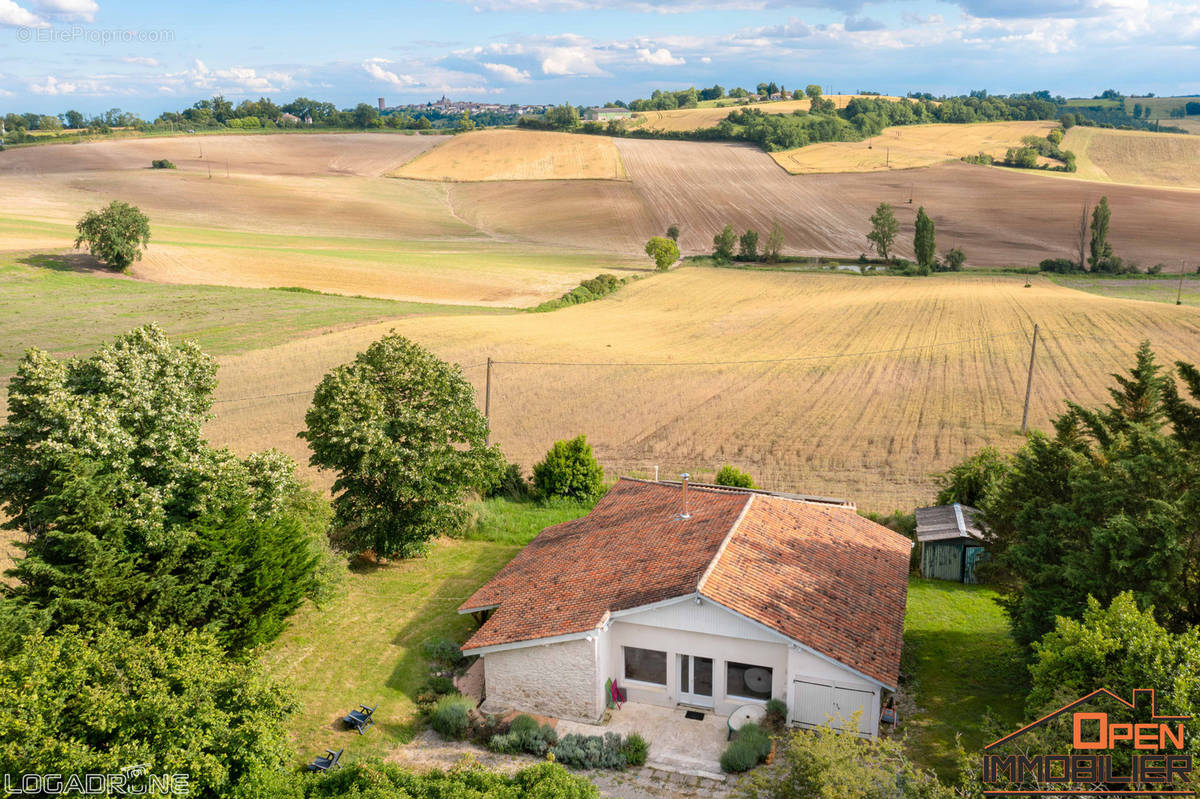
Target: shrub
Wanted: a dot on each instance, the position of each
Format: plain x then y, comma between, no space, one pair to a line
439,686
444,652
161,163
1062,266
776,714
509,483
735,477
450,716
524,736
757,737
523,723
590,751
635,748
827,763
569,470
741,755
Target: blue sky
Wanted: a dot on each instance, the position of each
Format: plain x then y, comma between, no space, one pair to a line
151,56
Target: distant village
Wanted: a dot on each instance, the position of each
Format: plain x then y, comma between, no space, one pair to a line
446,106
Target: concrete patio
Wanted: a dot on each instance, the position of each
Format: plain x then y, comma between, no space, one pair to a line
677,744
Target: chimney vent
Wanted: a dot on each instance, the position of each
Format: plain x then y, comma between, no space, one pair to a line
683,478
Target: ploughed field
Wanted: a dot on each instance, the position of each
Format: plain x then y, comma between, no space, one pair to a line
889,379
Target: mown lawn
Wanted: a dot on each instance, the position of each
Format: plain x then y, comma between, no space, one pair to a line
960,664
366,645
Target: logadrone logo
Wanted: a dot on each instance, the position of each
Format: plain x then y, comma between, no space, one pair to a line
131,780
1158,766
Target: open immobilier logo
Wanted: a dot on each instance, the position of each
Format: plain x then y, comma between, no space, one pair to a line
1151,758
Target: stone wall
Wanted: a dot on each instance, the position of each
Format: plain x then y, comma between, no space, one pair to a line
551,680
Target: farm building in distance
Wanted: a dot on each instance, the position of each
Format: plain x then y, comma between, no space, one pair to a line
951,540
606,113
702,597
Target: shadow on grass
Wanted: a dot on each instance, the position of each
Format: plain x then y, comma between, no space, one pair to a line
76,262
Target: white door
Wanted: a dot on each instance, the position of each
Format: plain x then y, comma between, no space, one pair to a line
696,681
817,704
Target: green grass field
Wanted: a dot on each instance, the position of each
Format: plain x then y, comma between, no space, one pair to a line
961,664
365,646
45,302
1151,288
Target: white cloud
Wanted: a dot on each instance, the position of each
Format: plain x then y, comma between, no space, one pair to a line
660,58
141,61
69,9
53,87
573,60
374,67
14,15
507,72
705,60
233,80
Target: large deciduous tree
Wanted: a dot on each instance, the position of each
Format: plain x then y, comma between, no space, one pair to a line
723,244
130,517
115,234
400,429
884,228
663,250
171,702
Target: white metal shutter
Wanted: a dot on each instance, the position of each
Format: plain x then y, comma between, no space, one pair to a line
812,703
818,704
847,701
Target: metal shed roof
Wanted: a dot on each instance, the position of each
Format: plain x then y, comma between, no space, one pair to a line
946,522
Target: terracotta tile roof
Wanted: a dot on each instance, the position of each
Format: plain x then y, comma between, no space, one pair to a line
818,574
631,550
821,575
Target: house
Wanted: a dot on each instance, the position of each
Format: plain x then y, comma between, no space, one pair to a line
698,596
606,113
288,119
951,539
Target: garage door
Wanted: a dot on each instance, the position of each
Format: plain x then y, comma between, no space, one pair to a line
815,704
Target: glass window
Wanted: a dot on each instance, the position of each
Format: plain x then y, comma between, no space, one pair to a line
645,665
752,682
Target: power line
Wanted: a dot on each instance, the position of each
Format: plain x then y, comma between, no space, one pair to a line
762,360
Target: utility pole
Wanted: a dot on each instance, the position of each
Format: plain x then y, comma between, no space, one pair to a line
1029,380
487,402
1179,292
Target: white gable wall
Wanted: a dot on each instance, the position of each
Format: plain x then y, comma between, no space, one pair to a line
567,679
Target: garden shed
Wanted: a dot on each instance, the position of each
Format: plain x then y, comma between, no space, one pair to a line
951,539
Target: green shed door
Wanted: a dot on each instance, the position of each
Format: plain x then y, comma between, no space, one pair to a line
942,560
972,556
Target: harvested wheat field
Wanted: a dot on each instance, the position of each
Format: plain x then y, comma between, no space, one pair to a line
1136,157
889,378
517,155
696,118
908,146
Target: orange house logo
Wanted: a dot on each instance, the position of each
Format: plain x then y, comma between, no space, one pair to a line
1158,764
